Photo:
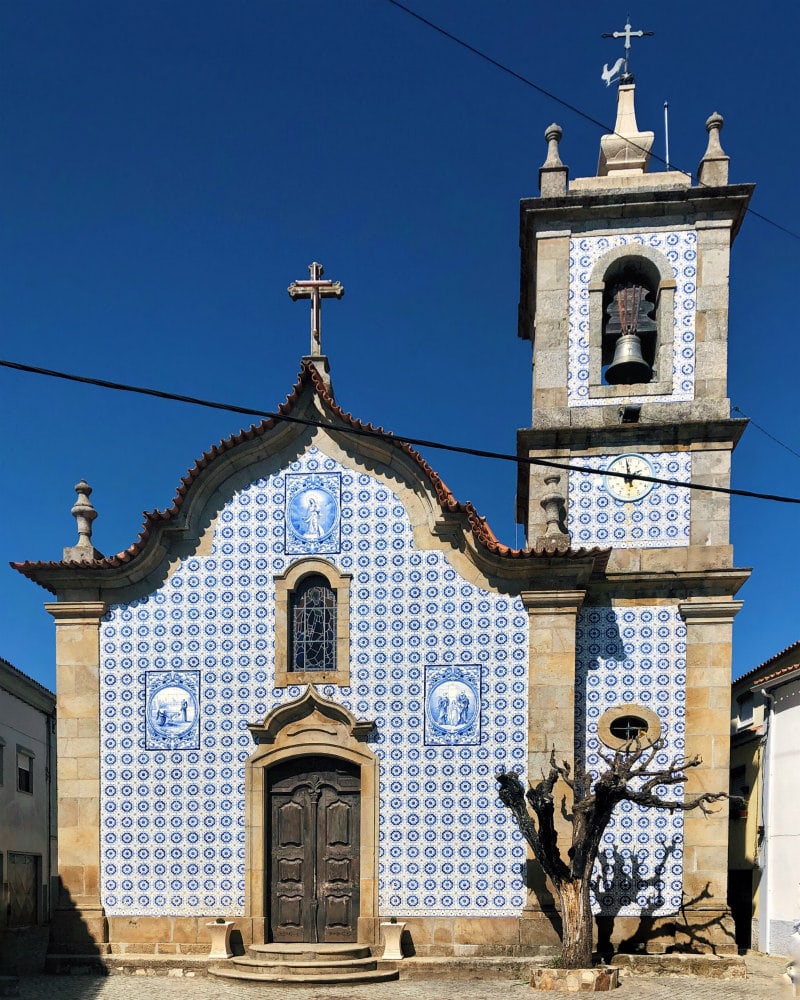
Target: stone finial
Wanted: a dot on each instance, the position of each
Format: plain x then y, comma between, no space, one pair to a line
555,509
552,136
552,173
713,169
626,150
84,513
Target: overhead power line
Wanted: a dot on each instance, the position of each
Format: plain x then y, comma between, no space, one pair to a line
385,435
764,431
565,104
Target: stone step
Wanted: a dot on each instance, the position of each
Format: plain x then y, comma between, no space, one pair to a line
299,968
307,979
308,952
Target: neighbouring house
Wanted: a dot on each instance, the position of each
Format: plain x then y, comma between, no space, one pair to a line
764,840
28,821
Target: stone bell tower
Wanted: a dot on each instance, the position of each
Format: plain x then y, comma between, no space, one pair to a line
624,299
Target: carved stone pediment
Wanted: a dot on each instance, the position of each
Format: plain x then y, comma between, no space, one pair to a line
307,713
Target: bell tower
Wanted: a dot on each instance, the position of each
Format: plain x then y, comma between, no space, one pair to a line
624,299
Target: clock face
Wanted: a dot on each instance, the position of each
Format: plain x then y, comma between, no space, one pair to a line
626,486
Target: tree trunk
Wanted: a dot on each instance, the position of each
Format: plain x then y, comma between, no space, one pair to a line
578,926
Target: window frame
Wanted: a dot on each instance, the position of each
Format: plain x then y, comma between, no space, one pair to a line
285,587
606,720
745,710
25,752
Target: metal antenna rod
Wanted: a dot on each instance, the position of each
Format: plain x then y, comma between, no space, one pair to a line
666,131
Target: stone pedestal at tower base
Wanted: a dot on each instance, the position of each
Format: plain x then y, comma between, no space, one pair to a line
79,930
596,980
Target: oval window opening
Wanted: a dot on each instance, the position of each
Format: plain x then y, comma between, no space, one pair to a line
628,727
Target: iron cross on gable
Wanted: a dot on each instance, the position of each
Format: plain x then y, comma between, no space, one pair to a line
316,289
627,34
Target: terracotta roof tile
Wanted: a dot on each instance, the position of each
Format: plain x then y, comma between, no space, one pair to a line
308,373
778,673
772,659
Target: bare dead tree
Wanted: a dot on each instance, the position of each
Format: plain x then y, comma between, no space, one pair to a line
631,775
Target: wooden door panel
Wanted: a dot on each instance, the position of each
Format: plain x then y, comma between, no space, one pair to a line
338,827
23,889
337,863
337,870
339,913
290,825
313,810
290,914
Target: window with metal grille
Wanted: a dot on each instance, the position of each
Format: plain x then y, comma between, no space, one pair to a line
313,625
628,727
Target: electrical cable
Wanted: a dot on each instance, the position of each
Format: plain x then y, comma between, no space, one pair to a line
565,104
385,435
763,430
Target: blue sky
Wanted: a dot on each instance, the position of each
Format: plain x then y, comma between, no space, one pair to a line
167,169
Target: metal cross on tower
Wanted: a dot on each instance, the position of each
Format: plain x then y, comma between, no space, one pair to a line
627,34
316,289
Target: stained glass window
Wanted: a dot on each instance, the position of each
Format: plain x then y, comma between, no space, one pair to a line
313,616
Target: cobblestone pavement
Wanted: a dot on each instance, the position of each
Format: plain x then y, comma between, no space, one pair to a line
764,981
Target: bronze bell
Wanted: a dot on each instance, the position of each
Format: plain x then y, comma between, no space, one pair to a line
628,365
629,313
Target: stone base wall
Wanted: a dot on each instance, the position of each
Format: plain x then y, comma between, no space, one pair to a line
534,933
693,931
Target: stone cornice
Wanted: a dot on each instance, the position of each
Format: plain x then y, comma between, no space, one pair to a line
311,702
711,585
555,602
620,437
76,612
697,611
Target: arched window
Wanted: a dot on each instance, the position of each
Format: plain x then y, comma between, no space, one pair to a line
313,625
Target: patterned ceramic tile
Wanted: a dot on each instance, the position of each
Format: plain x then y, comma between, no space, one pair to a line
659,520
172,709
634,656
680,248
452,705
312,513
173,819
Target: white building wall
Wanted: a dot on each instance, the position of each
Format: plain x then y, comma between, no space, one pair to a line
781,848
24,825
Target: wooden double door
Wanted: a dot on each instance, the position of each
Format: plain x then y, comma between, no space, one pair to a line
313,818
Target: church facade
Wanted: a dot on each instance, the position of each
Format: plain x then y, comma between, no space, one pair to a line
286,702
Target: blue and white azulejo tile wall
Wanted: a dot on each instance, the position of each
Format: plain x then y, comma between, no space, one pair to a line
680,248
634,656
438,662
661,519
